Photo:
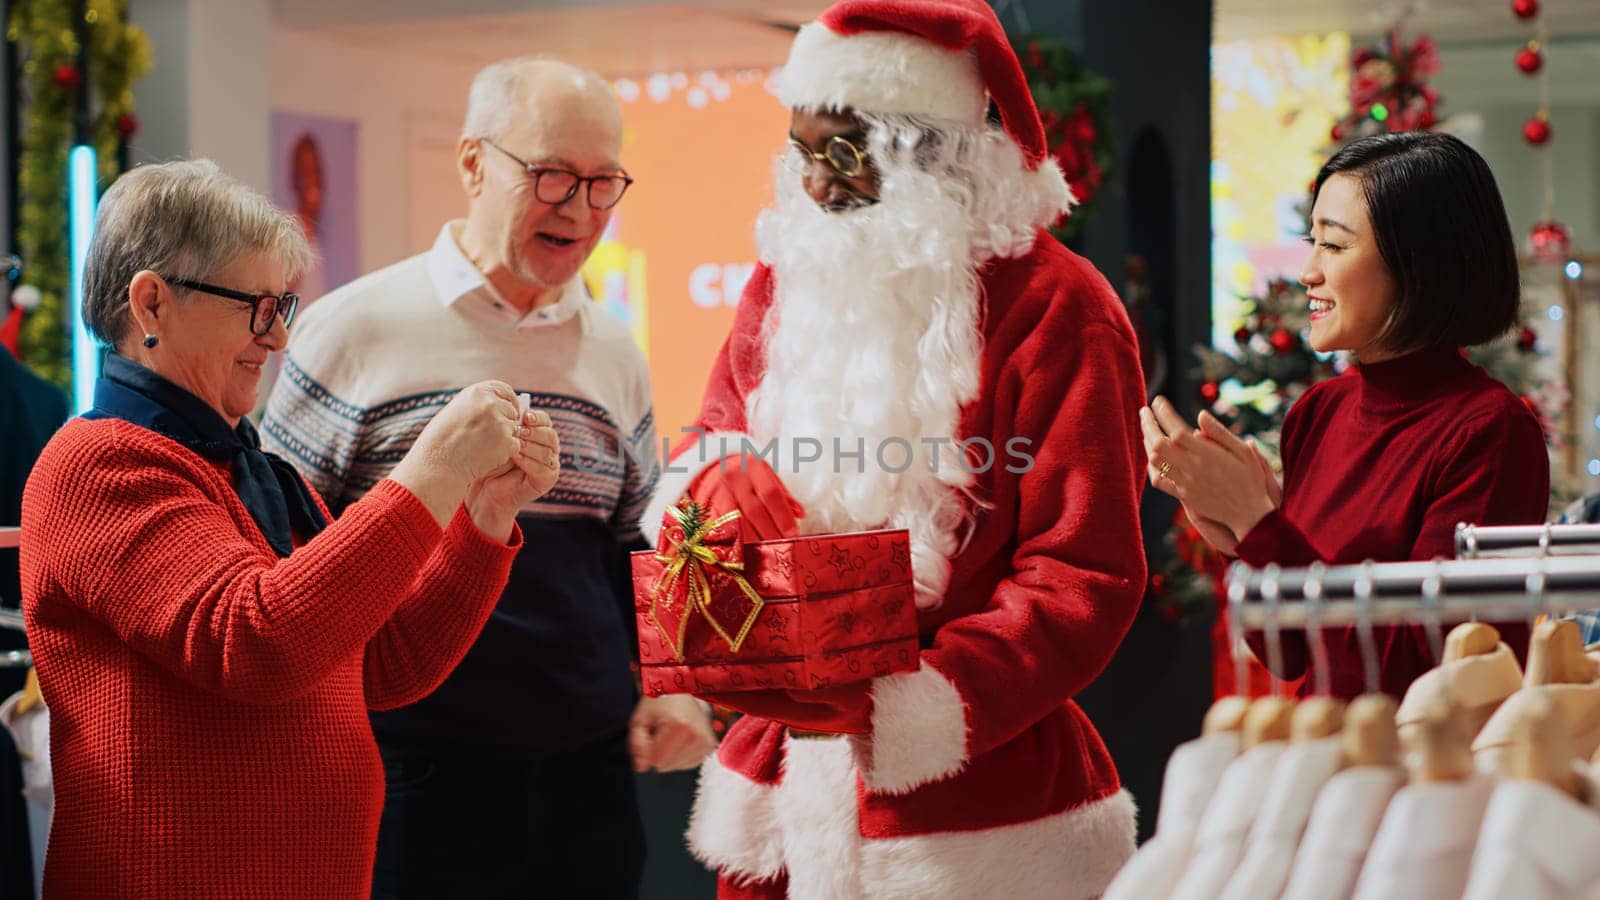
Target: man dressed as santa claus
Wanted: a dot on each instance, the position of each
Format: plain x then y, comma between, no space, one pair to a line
916,352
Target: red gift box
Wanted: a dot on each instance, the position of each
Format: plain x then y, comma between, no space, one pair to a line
717,614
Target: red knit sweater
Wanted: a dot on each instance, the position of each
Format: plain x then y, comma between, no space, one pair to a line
1381,463
208,700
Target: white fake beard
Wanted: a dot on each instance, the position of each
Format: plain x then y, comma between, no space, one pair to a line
873,335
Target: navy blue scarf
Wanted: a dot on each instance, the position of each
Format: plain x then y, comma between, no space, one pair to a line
270,488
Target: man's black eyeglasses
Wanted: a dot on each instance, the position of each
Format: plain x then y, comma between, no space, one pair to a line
557,186
264,306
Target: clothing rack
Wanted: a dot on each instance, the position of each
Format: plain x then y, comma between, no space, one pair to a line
1390,593
1431,594
1480,542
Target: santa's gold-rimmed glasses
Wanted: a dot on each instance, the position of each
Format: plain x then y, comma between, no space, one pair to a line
839,152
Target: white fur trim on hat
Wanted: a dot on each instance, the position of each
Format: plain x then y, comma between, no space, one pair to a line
919,732
889,73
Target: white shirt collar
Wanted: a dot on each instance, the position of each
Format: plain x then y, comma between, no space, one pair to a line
460,284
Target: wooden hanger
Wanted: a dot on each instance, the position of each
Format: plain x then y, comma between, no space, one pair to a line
1470,639
1539,749
1440,746
1369,737
1267,720
1477,674
1555,655
31,696
1558,672
1227,714
1315,718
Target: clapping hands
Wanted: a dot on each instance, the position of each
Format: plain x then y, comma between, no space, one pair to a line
1225,484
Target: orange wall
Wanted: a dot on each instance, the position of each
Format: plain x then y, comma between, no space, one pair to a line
700,148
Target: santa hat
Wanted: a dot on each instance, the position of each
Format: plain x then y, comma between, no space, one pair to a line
23,298
938,59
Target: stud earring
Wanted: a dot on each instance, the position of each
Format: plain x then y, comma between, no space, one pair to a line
149,340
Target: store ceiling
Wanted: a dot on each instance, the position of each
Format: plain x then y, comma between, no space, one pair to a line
620,37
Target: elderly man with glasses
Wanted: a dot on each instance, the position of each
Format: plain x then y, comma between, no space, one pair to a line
515,778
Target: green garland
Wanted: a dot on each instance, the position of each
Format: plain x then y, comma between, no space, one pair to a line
48,50
1075,108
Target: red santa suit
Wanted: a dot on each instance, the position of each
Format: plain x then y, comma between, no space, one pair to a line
980,776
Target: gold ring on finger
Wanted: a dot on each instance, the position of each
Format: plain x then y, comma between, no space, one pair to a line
1163,468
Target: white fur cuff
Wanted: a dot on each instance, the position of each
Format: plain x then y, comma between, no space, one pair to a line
735,826
919,732
678,473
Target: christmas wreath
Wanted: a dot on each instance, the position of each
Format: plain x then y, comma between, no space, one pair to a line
1074,105
47,47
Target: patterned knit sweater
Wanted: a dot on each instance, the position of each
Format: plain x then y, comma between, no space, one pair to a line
367,367
208,700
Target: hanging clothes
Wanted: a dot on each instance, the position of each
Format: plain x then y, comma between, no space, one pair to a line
1536,843
1191,780
1219,843
1269,853
1423,849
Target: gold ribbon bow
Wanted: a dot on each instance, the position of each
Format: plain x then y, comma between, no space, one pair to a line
686,561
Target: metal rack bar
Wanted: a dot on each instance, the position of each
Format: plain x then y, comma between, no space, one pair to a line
1480,542
1440,592
10,536
1561,574
12,619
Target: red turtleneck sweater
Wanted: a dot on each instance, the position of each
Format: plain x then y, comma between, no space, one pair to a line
1381,463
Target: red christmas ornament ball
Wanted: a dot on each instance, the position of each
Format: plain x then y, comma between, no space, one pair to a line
1158,584
1242,336
1527,339
1550,241
1209,392
1536,131
1525,9
67,77
127,124
1337,133
1282,340
1529,60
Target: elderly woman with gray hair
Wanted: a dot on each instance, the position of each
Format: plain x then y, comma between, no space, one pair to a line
207,640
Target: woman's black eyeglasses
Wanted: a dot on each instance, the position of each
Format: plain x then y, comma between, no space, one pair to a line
264,306
557,186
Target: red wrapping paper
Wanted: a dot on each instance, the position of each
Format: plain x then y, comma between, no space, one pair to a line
834,609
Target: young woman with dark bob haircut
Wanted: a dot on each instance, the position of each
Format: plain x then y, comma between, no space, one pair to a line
1411,260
